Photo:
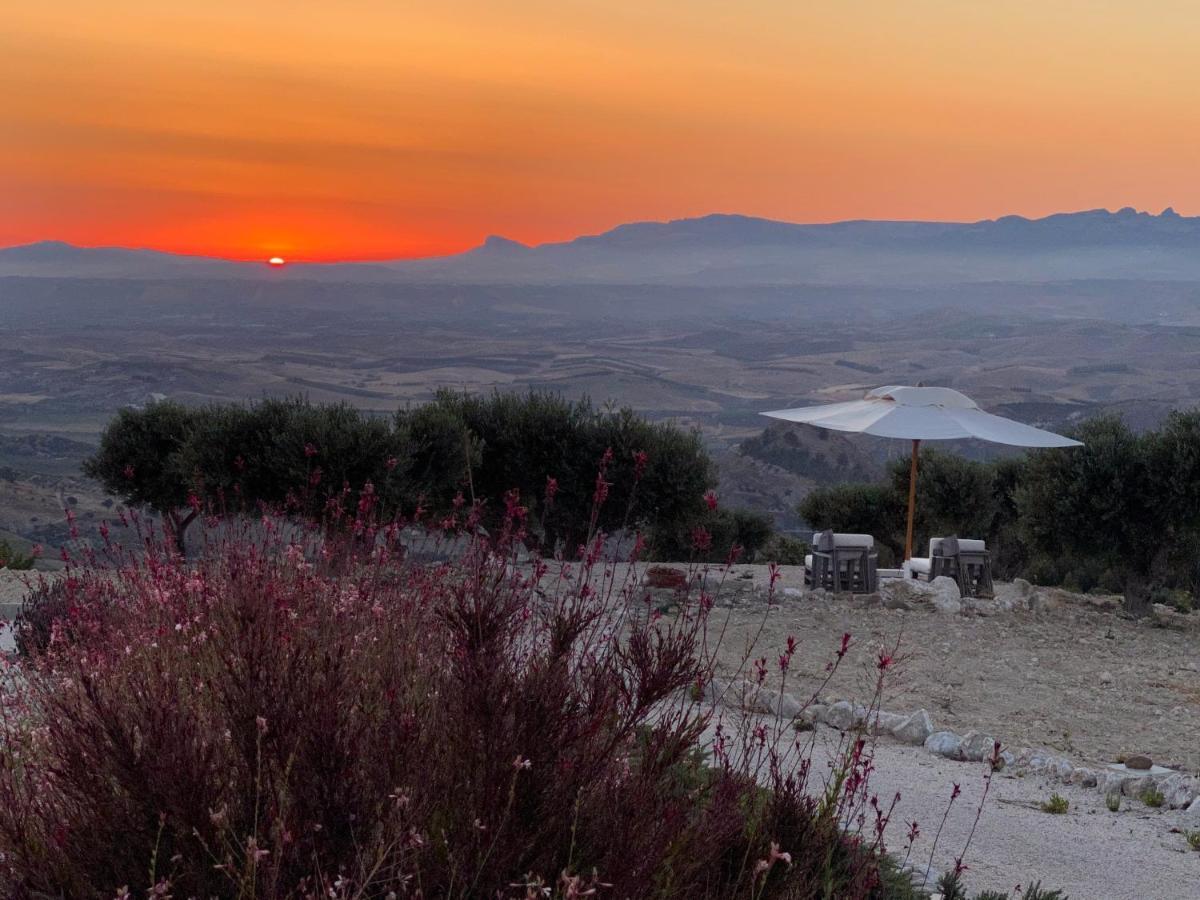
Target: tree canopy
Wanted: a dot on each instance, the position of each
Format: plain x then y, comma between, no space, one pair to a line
560,456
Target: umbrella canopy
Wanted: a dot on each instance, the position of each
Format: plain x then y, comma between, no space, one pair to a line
921,414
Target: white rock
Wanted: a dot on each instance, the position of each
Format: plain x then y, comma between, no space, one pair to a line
716,689
773,703
793,593
1084,777
882,722
1193,810
977,746
1179,791
1010,596
944,743
1135,786
815,713
947,597
914,729
1106,677
840,715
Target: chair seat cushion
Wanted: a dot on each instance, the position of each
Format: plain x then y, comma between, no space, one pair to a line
920,566
808,561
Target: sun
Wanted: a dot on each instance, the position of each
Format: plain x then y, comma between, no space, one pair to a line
275,261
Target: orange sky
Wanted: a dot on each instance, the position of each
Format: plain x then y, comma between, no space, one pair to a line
382,128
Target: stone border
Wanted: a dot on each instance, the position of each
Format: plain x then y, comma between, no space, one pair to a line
1179,790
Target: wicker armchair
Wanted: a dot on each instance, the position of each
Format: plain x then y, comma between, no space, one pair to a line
967,561
842,562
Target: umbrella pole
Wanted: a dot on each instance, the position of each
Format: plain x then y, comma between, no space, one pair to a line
912,501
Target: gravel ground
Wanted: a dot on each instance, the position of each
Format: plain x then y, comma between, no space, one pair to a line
1083,681
1088,852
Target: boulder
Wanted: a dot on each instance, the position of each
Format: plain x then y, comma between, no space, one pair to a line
977,746
814,713
1084,778
774,703
1011,596
1178,790
904,593
1042,600
1113,782
1139,761
1193,810
915,728
716,690
947,598
1135,786
884,722
840,715
944,743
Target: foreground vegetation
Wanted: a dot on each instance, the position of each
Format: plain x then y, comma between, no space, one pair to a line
298,712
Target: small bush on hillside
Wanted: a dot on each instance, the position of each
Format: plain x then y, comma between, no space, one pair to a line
1193,838
13,560
1153,798
1056,805
1113,802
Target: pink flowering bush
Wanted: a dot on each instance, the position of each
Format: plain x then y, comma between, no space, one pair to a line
299,713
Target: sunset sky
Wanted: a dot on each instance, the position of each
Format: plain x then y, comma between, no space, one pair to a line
355,129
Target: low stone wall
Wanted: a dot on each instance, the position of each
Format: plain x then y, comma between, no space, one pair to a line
1179,790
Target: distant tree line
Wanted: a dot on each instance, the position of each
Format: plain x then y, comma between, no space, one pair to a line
298,456
1121,513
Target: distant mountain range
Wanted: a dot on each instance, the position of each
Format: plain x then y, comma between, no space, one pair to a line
729,250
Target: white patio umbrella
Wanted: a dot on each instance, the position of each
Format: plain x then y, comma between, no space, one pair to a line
921,414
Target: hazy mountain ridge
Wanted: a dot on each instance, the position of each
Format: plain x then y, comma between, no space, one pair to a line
724,249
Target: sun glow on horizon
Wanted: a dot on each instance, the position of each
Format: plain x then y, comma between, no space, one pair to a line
275,261
369,130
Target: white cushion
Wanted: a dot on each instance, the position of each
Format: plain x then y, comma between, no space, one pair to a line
808,561
920,566
853,540
971,545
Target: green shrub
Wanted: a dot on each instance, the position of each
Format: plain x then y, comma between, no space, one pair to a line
1113,802
1153,798
12,559
1056,805
785,550
1193,838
